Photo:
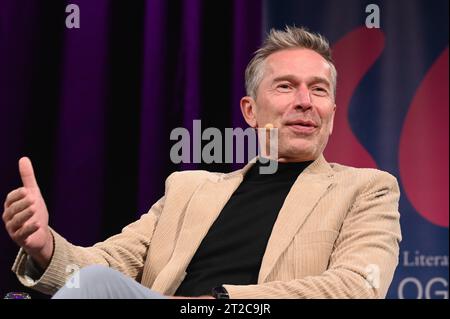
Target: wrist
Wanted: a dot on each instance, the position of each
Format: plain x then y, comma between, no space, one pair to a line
43,256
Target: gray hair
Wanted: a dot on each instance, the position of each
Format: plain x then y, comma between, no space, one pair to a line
277,40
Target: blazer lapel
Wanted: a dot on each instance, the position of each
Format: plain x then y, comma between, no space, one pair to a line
307,190
209,200
201,212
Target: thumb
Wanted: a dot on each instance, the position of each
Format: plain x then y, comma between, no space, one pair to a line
27,173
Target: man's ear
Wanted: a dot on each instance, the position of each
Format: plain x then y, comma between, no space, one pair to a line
248,109
332,119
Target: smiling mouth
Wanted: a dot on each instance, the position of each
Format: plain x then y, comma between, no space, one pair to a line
304,128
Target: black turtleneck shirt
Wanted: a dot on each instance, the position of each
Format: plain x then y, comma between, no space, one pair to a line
233,248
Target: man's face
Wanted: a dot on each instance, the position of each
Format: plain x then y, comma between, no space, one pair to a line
296,96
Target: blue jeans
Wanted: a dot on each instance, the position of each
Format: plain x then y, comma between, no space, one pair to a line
100,282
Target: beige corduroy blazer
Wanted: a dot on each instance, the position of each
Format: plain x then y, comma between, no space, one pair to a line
336,236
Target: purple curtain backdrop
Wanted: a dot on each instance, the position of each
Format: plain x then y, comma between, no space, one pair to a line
80,153
62,122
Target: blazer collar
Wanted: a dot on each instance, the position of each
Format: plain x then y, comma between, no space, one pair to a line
210,198
319,167
307,190
311,185
202,210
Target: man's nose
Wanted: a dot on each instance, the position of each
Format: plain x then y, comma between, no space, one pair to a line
303,98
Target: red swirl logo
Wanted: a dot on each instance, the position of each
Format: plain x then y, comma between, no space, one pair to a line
424,144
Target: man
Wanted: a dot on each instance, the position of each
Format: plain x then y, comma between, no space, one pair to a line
310,230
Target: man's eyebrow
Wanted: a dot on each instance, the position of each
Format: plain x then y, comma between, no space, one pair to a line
319,79
288,77
311,80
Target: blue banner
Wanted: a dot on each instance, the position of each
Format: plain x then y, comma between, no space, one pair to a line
392,114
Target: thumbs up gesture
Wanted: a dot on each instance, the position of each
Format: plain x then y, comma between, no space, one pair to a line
26,217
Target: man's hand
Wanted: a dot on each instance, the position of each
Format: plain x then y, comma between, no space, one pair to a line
26,217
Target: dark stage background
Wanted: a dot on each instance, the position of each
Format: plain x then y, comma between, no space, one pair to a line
94,107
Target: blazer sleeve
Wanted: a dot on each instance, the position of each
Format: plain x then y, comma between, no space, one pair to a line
124,252
364,257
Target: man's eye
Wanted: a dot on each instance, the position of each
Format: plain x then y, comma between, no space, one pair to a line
284,87
320,90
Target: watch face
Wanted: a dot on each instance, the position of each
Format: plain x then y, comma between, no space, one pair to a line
220,293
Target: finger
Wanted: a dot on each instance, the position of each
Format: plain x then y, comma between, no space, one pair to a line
27,173
15,195
17,207
22,233
19,220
